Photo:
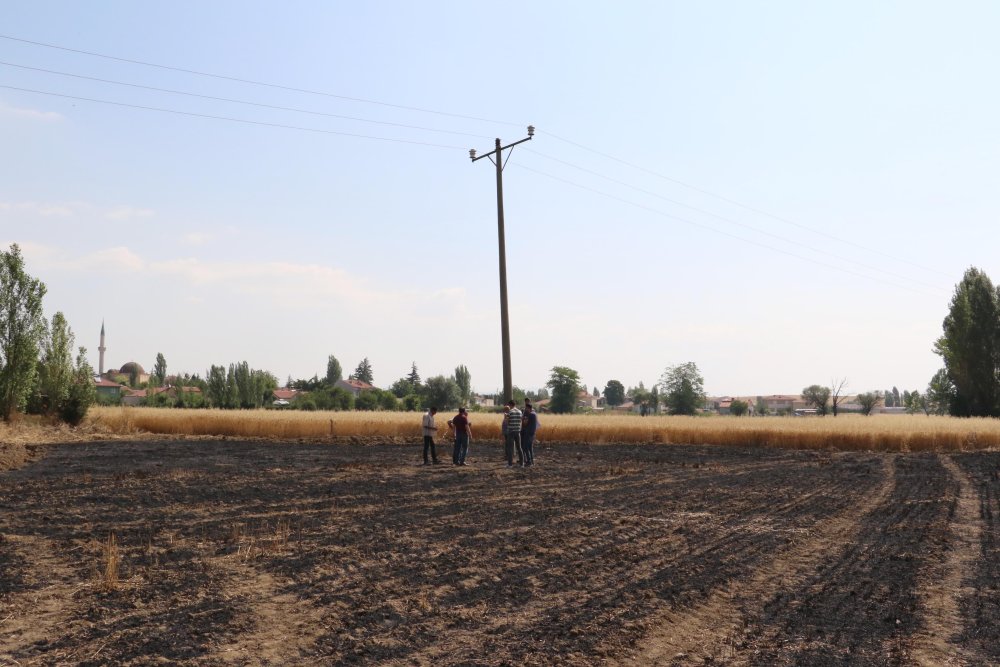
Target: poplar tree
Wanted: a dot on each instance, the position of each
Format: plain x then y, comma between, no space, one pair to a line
21,330
970,346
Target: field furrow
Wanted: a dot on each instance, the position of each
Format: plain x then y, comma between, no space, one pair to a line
861,605
981,608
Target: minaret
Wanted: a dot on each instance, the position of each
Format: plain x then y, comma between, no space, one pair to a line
100,363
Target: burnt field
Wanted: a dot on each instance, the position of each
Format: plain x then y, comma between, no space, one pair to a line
228,552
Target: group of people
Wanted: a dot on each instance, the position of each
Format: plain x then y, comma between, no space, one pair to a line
518,429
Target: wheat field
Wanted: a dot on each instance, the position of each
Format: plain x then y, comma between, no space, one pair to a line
845,432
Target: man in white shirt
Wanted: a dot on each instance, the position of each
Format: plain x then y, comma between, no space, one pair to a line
429,430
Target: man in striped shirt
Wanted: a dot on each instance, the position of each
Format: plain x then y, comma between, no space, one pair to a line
512,434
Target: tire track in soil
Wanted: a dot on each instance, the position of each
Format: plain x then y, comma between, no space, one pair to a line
981,609
709,629
42,610
286,627
860,607
949,582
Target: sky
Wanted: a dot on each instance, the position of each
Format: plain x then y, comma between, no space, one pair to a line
784,193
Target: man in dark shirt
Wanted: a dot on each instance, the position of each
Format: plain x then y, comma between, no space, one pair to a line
529,425
463,433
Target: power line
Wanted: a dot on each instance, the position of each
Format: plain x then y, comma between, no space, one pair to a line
608,156
260,83
740,204
779,237
720,231
235,101
234,120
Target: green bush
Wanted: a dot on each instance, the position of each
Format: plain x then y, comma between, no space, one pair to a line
366,400
304,403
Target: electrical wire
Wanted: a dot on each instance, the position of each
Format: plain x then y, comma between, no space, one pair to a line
779,237
594,151
746,207
260,83
246,102
234,120
742,239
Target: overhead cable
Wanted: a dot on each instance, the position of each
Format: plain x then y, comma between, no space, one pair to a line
740,204
234,120
720,231
779,237
246,102
260,83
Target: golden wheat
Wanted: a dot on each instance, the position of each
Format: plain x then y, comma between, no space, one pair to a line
878,432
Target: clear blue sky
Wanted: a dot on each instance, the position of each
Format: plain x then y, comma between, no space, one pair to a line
781,192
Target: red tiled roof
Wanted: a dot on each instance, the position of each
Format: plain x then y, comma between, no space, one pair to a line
358,384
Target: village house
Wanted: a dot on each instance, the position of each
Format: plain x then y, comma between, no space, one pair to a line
354,386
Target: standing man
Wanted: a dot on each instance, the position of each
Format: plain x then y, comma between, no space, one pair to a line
429,430
512,434
463,434
529,425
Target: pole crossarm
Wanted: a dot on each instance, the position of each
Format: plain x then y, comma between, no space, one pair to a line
496,150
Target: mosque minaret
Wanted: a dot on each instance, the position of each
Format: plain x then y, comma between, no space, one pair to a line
101,349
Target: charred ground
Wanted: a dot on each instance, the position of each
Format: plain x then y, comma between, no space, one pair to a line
265,553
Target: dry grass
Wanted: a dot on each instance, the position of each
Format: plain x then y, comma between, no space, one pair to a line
112,558
846,432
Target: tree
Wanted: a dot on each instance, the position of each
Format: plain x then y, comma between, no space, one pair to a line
160,369
245,389
216,391
897,401
441,392
364,372
614,393
641,397
387,400
738,408
565,385
760,408
887,398
597,393
55,368
869,401
914,402
413,378
970,346
464,380
366,400
940,393
836,391
818,397
22,327
82,392
682,389
334,373
412,403
401,388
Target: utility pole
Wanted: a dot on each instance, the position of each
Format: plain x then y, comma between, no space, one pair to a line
496,157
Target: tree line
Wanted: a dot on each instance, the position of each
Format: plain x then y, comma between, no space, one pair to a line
38,373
